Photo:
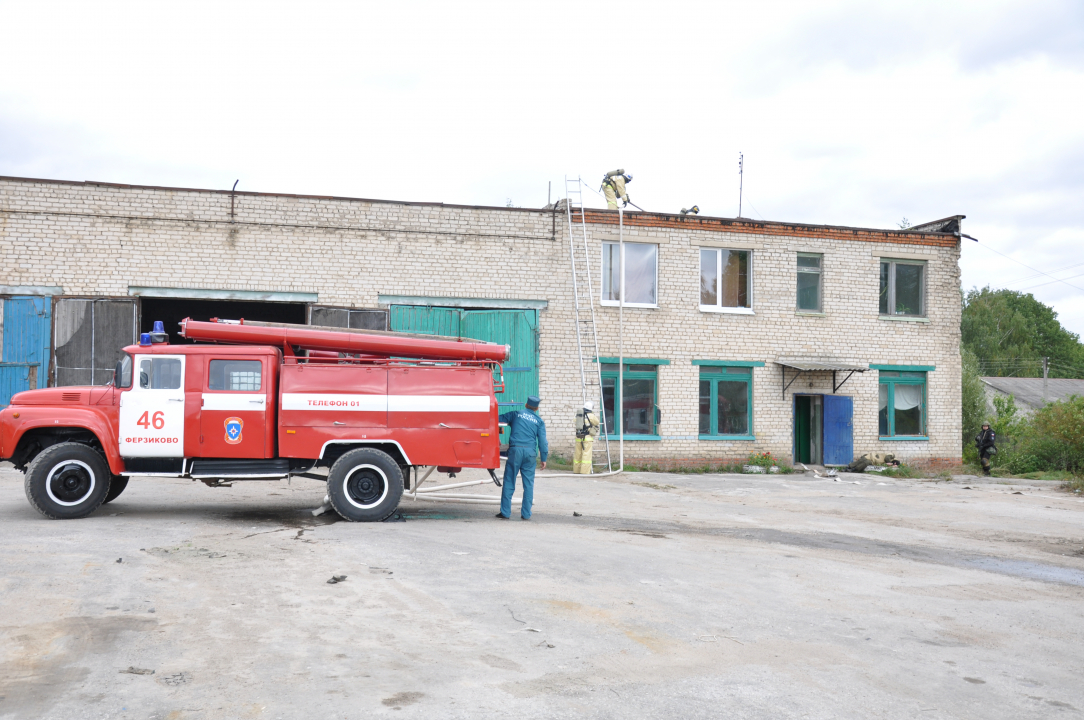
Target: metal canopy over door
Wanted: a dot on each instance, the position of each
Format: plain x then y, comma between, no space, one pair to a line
838,430
25,358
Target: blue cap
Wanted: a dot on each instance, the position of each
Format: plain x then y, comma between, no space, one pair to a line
144,338
532,402
158,327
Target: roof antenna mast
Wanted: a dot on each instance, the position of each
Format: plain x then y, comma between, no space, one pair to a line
741,179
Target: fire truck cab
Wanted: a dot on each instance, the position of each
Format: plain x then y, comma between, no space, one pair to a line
263,402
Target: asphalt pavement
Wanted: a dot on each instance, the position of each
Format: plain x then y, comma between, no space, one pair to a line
642,596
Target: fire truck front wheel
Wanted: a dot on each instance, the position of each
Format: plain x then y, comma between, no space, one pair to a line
67,481
365,485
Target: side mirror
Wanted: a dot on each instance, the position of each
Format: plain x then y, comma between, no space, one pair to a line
116,373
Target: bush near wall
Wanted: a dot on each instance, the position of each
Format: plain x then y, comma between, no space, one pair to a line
1052,439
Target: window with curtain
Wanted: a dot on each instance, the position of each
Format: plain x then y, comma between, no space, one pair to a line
725,280
902,404
641,274
726,402
638,399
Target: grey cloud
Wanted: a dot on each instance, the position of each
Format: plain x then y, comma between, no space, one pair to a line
865,36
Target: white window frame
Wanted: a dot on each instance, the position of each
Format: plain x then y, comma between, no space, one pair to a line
893,262
717,308
603,300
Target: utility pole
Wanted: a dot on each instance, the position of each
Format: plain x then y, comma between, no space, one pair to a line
1046,371
741,179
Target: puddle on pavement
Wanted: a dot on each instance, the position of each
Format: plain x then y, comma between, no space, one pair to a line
1024,569
1029,570
296,519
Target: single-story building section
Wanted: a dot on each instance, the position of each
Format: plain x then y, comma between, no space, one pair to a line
1030,394
812,342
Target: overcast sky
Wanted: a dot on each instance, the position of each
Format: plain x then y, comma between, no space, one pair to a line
848,113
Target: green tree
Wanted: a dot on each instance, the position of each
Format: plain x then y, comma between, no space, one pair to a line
1010,332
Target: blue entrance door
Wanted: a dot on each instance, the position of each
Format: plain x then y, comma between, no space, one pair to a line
25,358
838,430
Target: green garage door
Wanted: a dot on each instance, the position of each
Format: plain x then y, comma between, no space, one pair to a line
516,328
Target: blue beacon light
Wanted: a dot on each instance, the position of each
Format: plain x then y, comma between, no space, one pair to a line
158,327
144,339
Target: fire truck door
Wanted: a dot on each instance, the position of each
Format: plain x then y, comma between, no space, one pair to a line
152,412
234,412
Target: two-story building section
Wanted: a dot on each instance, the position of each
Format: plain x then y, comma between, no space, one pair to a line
813,342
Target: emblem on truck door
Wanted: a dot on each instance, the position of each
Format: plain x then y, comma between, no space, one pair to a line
233,430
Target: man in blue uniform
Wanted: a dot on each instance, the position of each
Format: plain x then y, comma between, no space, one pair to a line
527,435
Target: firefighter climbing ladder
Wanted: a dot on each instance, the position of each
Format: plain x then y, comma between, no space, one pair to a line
584,295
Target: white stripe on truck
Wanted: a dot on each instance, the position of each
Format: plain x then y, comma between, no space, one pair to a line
351,402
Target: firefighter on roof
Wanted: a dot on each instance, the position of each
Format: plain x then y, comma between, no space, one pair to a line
526,438
613,185
586,431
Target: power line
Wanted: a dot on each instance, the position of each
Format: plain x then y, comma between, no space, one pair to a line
1049,282
1032,277
1028,266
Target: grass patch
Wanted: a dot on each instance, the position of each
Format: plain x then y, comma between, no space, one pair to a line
902,471
683,469
1072,483
556,462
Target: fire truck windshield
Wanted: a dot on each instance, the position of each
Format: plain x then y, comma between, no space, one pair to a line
124,373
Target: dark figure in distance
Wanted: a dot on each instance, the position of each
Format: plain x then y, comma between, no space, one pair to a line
985,442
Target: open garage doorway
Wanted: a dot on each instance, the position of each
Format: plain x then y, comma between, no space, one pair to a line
172,310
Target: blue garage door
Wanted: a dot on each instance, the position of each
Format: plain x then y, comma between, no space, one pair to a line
25,358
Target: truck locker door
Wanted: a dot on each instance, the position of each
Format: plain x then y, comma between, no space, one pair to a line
234,412
152,411
838,430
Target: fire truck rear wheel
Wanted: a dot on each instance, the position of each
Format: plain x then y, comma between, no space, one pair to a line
365,485
67,481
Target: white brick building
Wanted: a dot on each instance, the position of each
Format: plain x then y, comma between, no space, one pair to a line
713,331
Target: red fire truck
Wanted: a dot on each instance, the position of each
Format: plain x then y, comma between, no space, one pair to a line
254,401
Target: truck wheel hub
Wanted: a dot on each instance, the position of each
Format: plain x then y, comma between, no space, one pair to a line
365,487
71,483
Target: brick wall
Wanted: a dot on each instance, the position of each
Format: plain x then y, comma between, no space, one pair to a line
99,239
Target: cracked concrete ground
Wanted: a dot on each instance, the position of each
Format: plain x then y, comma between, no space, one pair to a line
697,596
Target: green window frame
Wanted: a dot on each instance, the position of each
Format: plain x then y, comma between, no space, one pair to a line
638,399
725,407
901,405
